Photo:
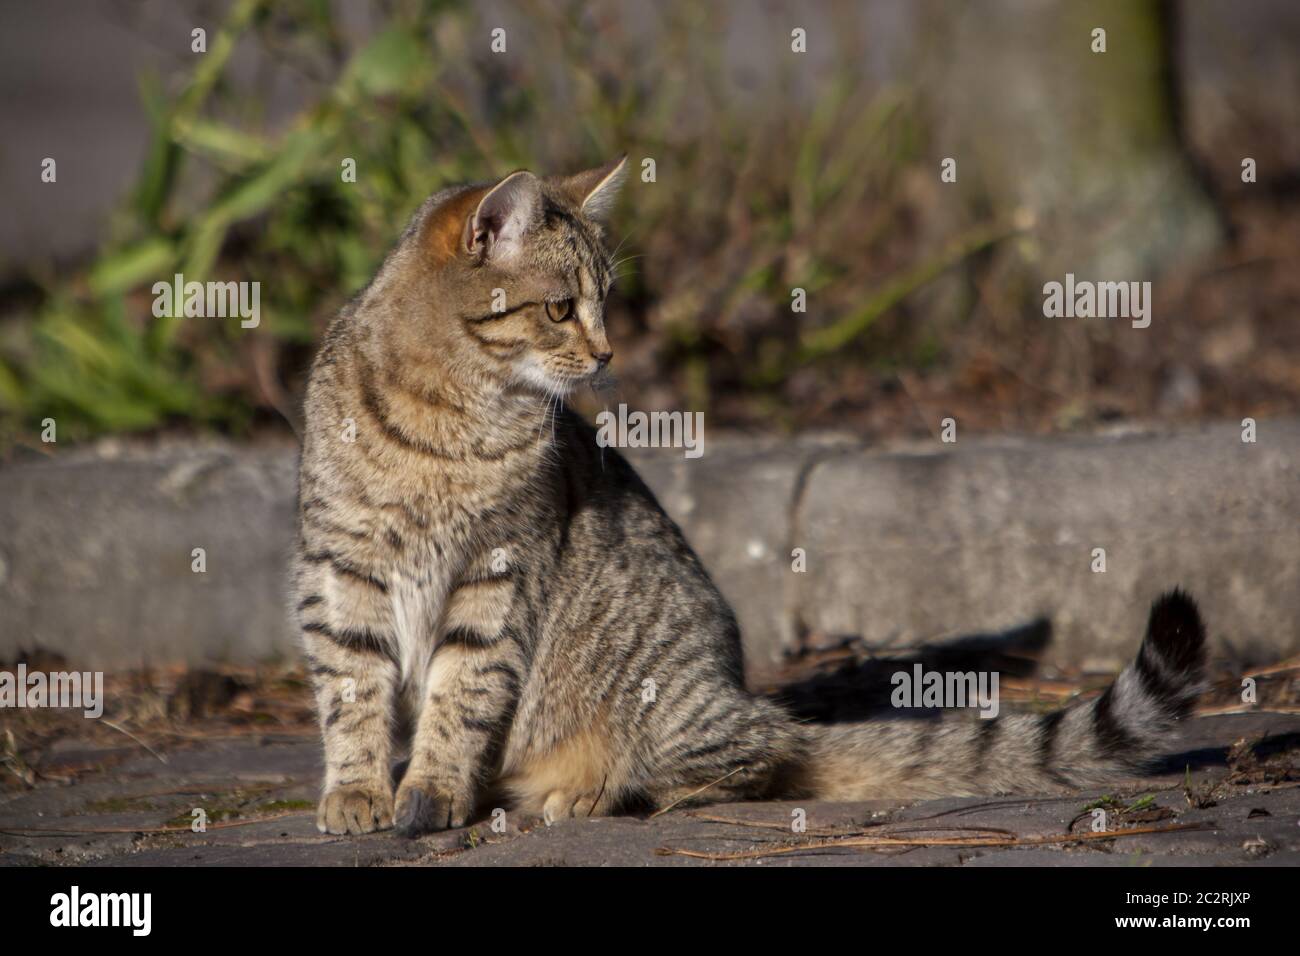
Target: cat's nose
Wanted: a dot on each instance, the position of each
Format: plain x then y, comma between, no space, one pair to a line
602,357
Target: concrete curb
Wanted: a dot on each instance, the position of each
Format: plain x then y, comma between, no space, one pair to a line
903,547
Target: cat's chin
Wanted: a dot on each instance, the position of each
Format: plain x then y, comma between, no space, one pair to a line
553,385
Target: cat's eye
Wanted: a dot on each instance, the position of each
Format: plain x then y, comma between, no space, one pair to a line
560,311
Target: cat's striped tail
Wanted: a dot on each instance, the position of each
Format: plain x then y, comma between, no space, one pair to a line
1118,732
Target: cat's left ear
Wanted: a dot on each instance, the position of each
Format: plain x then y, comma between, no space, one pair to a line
504,216
594,190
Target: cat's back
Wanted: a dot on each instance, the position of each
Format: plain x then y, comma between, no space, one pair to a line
621,551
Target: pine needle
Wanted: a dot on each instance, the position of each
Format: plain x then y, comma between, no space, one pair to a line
695,792
123,730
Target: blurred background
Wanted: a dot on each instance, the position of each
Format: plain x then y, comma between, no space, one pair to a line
774,170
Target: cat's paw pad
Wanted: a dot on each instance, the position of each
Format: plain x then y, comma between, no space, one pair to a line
355,809
425,807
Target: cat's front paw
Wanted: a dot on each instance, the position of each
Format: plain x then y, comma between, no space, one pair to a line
424,806
355,809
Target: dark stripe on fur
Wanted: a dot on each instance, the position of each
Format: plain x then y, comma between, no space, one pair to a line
988,735
1113,739
1048,727
354,640
470,638
345,568
374,406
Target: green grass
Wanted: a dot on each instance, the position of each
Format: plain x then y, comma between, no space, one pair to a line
756,193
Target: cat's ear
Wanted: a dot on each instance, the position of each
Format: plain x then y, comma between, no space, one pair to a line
504,216
594,190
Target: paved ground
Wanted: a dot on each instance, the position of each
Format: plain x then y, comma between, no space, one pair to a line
104,804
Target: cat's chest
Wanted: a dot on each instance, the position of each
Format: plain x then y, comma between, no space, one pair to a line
415,604
421,590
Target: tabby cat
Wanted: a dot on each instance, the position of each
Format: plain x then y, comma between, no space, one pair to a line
483,589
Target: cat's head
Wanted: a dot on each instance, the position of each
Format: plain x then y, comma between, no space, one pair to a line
525,271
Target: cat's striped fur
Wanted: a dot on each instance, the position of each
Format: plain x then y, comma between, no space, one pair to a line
472,561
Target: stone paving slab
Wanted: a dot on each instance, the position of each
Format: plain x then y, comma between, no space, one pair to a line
267,787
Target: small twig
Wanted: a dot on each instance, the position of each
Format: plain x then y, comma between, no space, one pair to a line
859,829
123,730
196,790
695,792
600,794
884,841
1231,709
236,733
763,824
1281,667
49,831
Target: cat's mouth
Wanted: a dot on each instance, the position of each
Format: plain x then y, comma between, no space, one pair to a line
597,379
551,381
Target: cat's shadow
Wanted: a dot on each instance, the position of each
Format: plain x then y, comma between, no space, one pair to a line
858,687
843,684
